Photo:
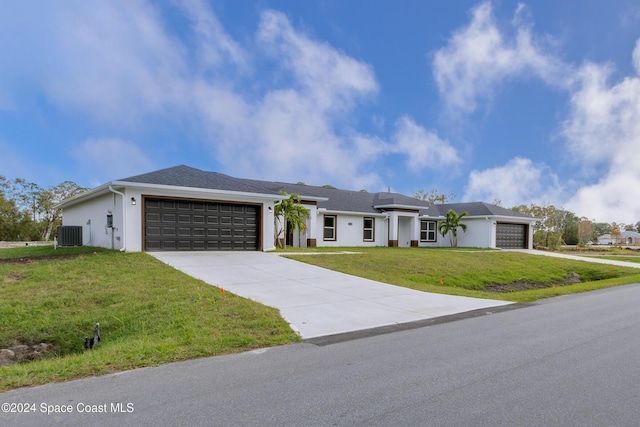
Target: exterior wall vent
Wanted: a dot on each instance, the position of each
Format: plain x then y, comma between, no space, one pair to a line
69,235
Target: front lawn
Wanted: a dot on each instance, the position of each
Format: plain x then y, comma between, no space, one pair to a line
511,276
149,314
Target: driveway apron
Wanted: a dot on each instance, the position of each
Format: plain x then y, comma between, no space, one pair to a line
316,301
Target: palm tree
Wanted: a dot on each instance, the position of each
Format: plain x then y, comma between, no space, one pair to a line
288,211
451,224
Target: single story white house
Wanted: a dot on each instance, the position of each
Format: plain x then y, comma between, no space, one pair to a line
186,209
625,238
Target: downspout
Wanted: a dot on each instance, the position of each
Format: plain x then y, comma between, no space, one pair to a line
124,220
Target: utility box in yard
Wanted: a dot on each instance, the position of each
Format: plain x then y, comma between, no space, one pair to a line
69,235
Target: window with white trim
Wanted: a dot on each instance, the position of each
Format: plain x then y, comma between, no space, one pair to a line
428,231
329,227
368,230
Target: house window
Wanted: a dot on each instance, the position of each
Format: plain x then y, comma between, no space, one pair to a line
329,227
427,231
369,230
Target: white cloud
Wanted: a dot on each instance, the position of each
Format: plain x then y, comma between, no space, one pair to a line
116,65
603,134
330,78
294,130
519,181
479,57
106,159
214,46
424,149
113,61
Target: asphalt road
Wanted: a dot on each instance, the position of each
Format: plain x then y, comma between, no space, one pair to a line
567,361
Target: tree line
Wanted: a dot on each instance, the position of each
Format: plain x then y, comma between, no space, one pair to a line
27,210
557,226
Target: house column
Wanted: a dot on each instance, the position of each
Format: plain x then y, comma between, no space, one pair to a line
415,231
312,225
393,229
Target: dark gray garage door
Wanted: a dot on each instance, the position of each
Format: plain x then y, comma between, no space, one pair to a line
185,225
511,236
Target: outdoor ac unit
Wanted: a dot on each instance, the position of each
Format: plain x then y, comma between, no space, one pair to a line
69,235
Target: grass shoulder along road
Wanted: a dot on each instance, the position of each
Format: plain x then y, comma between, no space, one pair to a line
494,274
149,314
610,252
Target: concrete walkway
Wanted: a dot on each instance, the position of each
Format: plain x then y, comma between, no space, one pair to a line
579,258
315,301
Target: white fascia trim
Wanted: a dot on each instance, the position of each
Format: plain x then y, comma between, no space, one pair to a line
268,197
363,214
103,189
412,207
432,217
513,219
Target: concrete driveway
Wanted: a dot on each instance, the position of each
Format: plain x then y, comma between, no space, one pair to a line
315,301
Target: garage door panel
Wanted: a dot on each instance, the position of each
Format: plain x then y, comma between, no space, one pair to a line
198,225
511,236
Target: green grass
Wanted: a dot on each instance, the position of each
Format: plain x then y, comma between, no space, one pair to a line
473,272
149,314
617,257
612,252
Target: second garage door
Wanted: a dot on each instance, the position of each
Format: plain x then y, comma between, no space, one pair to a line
511,236
176,225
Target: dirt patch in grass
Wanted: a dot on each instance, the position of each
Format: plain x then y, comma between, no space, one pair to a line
13,277
30,259
524,285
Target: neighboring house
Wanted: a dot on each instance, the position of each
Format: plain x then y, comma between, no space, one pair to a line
182,208
625,238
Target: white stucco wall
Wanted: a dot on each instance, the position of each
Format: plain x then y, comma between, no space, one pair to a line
406,230
349,230
93,219
480,233
95,211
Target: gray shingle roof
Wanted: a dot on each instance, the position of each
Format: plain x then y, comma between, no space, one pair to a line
479,209
185,176
336,199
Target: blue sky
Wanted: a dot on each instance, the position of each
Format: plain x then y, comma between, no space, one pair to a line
534,102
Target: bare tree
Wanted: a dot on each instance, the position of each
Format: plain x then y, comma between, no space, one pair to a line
434,196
